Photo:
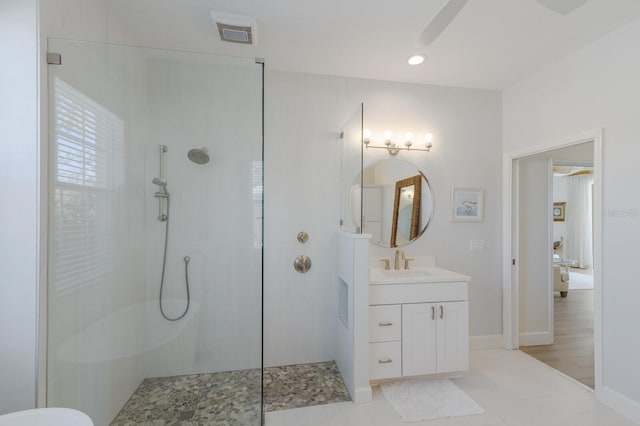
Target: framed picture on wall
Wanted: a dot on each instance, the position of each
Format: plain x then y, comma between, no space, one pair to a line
467,204
558,211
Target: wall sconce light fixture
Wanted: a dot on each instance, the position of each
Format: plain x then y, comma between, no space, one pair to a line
393,148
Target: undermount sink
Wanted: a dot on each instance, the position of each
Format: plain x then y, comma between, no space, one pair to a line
413,275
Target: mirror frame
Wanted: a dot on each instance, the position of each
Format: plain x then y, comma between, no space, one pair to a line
415,211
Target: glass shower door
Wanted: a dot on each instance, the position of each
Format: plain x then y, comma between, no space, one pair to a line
128,241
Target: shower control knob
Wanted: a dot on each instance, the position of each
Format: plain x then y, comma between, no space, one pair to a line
302,263
303,237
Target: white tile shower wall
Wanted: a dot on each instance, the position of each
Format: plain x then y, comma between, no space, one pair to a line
94,322
304,114
197,101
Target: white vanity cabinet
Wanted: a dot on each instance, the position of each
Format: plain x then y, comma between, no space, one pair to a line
435,338
418,328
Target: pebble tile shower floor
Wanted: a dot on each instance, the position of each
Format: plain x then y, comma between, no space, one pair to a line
231,398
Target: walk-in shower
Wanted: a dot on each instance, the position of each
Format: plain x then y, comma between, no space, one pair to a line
127,237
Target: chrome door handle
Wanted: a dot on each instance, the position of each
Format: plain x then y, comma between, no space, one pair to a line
441,312
384,361
385,324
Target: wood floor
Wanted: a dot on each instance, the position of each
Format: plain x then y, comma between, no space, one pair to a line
572,352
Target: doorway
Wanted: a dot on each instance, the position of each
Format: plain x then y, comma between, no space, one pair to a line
528,256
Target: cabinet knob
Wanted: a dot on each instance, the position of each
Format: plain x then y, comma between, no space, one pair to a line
384,361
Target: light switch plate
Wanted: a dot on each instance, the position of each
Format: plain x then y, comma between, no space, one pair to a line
477,245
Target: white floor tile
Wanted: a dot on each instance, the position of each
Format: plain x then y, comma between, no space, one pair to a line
514,388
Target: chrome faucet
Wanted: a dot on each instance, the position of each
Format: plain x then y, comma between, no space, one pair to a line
396,263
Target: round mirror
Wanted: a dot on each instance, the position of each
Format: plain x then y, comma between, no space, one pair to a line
397,203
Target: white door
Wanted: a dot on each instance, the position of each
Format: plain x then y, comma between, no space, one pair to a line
419,339
535,292
452,336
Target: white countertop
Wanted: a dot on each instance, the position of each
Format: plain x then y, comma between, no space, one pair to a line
417,275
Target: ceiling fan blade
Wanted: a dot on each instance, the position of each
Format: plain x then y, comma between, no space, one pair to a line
439,22
563,7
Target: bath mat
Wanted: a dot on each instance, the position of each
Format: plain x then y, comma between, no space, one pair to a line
417,400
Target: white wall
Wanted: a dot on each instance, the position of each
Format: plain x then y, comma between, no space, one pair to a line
303,117
560,196
597,86
304,114
19,176
466,153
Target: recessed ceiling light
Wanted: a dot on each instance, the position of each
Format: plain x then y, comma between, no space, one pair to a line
416,59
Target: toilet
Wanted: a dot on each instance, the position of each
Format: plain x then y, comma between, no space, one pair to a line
46,417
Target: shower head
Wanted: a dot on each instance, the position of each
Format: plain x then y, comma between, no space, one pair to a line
199,155
159,181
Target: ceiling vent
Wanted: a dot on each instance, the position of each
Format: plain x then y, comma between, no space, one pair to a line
235,28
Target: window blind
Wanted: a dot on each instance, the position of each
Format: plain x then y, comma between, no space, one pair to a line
87,157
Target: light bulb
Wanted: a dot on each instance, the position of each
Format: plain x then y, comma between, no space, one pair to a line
427,140
416,59
387,135
408,137
366,135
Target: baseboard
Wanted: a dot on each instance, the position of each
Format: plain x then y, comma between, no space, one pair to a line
535,338
363,394
495,341
620,403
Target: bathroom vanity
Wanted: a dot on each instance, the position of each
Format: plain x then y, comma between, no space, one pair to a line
418,321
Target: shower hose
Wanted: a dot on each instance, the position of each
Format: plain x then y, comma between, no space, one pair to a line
164,264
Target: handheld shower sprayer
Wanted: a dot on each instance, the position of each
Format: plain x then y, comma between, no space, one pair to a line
160,181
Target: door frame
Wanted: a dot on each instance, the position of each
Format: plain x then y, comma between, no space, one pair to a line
510,284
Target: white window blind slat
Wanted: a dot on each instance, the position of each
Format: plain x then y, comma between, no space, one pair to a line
88,171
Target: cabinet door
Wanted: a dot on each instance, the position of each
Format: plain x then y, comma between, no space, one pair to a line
453,336
418,339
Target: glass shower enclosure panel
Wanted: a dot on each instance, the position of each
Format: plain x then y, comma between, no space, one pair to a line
155,235
351,173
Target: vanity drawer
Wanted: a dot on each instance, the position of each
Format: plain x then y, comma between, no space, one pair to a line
385,360
384,323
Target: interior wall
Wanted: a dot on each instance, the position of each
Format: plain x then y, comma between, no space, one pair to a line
303,117
304,114
466,127
19,174
560,227
597,87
